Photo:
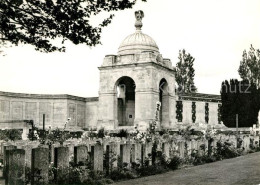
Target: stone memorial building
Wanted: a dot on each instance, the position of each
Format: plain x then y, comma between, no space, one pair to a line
132,84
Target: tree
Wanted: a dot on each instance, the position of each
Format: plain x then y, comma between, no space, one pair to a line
39,22
242,98
249,68
185,73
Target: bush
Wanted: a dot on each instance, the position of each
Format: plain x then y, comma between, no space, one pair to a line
11,134
225,150
122,133
101,133
174,162
198,159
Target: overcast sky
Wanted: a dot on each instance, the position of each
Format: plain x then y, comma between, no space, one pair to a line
214,32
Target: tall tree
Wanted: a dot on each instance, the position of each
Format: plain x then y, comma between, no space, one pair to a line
242,98
249,68
39,22
185,73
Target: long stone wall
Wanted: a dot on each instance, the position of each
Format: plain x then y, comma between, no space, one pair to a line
57,109
84,111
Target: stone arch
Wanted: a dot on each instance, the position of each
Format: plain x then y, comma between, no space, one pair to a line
164,99
125,101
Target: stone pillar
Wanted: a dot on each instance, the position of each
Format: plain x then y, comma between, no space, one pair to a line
106,109
126,149
25,133
194,145
188,147
233,139
16,172
246,143
80,154
181,146
6,159
40,165
148,151
138,152
145,106
61,160
256,141
98,157
166,150
114,153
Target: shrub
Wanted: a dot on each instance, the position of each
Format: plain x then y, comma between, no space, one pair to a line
225,150
198,159
101,133
11,134
174,163
122,133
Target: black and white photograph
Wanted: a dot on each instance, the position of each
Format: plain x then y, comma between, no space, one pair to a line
129,92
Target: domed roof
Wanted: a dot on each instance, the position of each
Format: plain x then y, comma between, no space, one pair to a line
138,42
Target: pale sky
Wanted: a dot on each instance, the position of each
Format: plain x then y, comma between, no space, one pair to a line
214,32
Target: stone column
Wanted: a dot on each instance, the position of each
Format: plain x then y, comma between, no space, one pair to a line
40,165
98,157
166,150
6,159
181,146
114,153
16,172
80,154
256,141
107,110
126,148
148,151
61,160
137,152
246,143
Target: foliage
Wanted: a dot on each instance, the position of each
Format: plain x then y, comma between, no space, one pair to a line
174,162
249,68
179,110
122,133
225,150
242,98
39,22
101,133
11,134
188,132
185,73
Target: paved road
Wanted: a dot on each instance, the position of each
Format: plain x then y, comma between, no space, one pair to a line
236,171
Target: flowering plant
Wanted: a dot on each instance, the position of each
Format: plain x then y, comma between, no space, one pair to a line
209,134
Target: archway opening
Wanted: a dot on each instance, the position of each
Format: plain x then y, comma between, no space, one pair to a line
164,99
125,101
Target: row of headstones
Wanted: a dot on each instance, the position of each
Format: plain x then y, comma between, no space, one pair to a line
16,158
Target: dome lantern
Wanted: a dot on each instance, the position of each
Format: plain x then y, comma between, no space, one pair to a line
138,42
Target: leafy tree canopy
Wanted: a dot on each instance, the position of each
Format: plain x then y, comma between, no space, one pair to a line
38,22
185,73
249,68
